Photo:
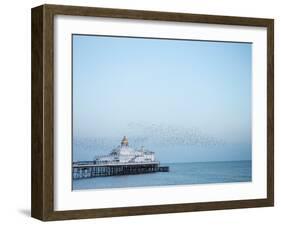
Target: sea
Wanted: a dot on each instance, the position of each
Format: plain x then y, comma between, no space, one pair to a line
179,174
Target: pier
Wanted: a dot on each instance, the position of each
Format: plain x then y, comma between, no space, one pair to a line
82,170
122,160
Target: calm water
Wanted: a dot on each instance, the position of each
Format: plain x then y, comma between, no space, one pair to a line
180,173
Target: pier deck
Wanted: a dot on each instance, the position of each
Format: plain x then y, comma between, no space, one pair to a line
88,170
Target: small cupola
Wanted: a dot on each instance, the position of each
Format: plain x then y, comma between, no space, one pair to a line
124,141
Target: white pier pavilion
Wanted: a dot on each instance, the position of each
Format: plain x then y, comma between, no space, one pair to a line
125,154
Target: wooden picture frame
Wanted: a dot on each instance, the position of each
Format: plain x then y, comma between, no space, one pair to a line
42,203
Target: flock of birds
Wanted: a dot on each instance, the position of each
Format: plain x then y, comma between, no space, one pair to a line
141,134
171,135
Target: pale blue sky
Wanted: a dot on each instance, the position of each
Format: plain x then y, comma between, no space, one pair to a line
185,100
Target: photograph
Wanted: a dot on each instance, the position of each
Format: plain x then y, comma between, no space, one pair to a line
160,112
140,112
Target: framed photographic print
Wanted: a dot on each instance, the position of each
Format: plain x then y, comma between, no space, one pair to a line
142,112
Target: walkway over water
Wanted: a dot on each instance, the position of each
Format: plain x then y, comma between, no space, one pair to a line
88,170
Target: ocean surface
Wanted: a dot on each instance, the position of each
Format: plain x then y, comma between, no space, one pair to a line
179,174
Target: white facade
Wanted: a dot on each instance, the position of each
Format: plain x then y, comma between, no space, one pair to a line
125,154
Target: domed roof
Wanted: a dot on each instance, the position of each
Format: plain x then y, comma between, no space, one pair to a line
124,141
